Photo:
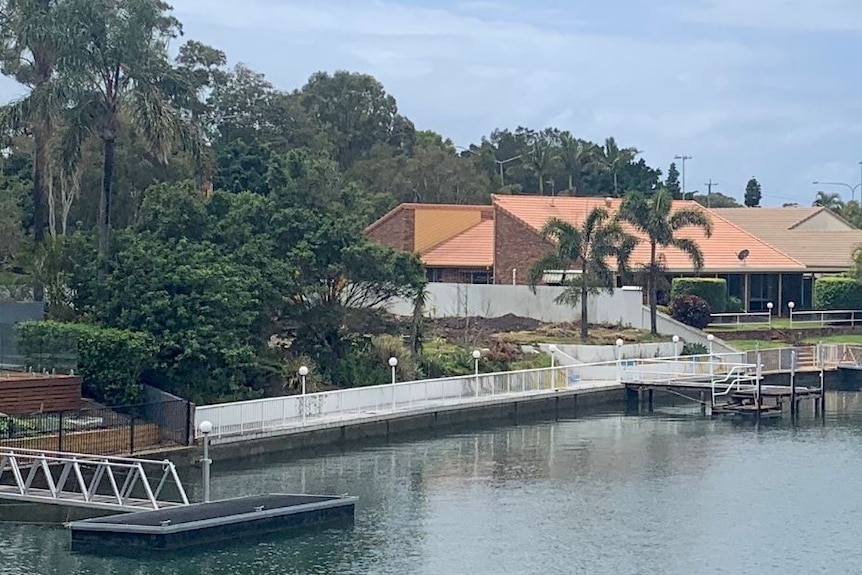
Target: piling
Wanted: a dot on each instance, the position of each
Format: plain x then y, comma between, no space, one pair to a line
793,404
703,403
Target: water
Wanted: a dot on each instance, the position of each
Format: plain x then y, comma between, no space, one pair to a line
668,493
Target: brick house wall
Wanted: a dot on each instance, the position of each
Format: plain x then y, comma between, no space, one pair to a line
395,232
516,246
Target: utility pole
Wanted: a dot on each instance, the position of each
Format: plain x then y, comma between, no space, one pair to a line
683,158
709,185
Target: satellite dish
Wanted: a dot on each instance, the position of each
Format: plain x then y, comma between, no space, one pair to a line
742,255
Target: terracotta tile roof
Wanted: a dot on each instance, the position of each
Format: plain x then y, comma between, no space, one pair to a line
471,248
486,210
720,250
785,229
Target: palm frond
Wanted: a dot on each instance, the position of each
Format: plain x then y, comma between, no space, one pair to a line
691,217
549,262
691,249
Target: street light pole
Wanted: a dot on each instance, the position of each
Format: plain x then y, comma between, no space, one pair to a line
303,372
502,163
476,356
206,428
683,158
848,186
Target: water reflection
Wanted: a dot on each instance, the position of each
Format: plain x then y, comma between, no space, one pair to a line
613,493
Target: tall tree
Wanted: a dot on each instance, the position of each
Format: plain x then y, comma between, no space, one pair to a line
575,155
589,248
752,193
615,158
120,68
671,184
656,218
30,42
540,159
828,200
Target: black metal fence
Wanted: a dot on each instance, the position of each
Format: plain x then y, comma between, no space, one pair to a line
102,431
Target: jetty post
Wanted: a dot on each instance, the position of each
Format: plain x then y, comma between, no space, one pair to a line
206,428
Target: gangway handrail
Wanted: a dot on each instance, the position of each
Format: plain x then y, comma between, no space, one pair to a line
71,488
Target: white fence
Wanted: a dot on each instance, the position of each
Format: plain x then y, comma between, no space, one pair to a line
741,319
622,307
831,318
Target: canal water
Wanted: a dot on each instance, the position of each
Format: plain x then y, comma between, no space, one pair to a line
664,493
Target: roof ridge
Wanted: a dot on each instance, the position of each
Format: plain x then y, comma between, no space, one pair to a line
756,238
384,218
813,213
433,247
510,214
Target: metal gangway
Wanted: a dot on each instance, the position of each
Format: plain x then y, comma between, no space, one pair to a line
118,484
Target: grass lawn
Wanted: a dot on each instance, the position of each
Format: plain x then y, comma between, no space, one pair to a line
752,344
853,339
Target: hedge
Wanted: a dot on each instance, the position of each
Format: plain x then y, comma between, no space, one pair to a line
837,293
109,361
691,310
714,291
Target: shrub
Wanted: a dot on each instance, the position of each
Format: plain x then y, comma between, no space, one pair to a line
837,293
691,310
734,304
694,349
714,291
110,361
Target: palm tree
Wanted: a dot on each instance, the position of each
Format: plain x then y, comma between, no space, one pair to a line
29,44
656,219
121,69
575,155
540,160
831,201
589,247
614,158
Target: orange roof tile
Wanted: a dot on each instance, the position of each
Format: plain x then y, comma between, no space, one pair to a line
720,250
471,248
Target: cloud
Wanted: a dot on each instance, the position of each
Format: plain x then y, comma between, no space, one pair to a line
801,15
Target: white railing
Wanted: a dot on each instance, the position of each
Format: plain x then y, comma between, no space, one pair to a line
741,319
297,411
246,417
833,318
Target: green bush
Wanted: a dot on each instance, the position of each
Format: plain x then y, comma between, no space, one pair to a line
109,361
713,290
691,310
837,293
694,348
734,305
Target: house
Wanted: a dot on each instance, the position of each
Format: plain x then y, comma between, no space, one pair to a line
765,254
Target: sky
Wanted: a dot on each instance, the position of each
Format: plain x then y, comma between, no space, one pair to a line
747,88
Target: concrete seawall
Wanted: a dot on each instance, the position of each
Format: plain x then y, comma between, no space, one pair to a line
340,433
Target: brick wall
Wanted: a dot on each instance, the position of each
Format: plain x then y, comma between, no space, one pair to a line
396,232
516,246
31,393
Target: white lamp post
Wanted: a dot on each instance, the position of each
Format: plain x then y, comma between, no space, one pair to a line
676,347
711,339
553,349
206,428
769,307
393,363
791,305
303,373
476,356
619,349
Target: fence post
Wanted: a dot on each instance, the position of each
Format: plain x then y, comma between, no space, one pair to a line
132,434
60,433
188,428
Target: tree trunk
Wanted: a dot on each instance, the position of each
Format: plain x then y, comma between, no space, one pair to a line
571,184
541,185
616,191
105,201
40,174
653,292
585,321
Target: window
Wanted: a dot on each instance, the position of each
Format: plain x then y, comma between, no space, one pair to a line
481,278
434,274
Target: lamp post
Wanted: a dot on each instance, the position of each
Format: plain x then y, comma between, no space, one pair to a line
711,339
769,307
676,347
206,428
303,373
619,349
790,306
553,349
848,186
683,157
393,363
477,355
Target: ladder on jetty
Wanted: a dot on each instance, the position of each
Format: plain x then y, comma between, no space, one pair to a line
97,482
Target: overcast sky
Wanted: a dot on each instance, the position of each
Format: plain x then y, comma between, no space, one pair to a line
765,88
